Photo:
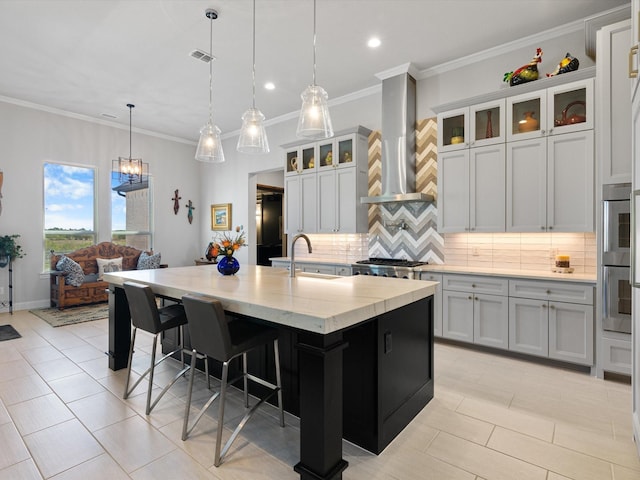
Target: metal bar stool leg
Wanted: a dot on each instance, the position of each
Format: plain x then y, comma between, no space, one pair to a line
223,397
133,341
276,352
151,372
245,380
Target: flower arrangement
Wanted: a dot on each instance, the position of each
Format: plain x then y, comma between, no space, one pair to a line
227,243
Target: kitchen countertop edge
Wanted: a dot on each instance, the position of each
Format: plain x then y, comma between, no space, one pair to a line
464,270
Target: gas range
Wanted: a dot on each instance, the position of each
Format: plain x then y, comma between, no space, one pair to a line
387,267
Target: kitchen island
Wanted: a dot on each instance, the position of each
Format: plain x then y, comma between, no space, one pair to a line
382,326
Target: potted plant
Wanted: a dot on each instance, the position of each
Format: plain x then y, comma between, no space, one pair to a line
9,249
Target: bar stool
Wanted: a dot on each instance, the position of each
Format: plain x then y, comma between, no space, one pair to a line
214,336
146,315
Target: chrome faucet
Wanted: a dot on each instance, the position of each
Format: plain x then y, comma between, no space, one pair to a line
292,272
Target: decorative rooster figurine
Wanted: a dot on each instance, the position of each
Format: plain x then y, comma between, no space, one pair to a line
568,64
526,73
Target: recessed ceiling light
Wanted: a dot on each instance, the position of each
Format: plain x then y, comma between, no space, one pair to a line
374,42
269,86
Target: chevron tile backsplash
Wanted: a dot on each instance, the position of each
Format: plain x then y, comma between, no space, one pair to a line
419,240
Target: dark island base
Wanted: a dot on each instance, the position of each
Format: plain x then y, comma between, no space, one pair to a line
387,372
382,369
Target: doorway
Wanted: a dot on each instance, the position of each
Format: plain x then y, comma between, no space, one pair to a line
269,223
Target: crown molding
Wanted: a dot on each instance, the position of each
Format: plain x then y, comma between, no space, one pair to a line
500,50
86,118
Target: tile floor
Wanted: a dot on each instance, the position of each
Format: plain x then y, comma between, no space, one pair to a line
62,417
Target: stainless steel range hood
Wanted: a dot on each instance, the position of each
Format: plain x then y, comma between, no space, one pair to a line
398,141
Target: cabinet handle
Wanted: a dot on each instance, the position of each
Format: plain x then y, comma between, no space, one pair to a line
473,285
476,298
544,305
550,227
542,132
542,227
551,307
469,297
548,292
632,52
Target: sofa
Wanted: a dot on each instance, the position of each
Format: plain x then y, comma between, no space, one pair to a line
75,278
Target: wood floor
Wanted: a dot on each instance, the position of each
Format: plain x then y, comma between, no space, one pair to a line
62,416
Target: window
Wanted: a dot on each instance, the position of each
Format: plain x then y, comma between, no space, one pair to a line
69,209
131,213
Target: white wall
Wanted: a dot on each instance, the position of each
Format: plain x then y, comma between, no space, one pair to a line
486,75
30,137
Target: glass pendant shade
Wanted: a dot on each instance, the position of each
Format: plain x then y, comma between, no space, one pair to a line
210,145
314,121
253,136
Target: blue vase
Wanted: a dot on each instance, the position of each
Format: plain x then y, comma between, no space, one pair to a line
228,266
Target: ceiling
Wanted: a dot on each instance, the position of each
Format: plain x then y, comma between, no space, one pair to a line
92,57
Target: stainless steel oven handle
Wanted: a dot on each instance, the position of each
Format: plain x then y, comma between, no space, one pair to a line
605,292
607,226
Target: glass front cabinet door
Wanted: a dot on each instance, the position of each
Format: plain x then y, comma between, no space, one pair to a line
474,126
527,116
570,107
337,152
554,111
486,123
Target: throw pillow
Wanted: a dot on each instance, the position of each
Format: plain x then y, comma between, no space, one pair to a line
108,265
74,274
146,261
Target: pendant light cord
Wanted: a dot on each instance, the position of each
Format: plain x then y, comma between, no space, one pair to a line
130,108
211,70
254,55
314,42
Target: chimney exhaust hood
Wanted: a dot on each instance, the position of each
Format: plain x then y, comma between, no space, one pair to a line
398,139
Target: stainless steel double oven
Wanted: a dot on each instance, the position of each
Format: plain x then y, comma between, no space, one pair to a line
616,258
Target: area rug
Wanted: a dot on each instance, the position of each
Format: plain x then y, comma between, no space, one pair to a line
70,316
7,332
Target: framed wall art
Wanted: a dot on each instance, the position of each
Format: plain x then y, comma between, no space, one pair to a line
221,216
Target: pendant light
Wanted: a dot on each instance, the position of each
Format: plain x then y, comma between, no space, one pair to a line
130,170
314,121
253,136
210,145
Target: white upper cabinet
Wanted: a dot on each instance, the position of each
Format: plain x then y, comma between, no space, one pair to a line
475,126
613,108
324,182
559,109
534,173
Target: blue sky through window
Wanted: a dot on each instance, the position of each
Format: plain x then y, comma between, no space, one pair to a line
68,197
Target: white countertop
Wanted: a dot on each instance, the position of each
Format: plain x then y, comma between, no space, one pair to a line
512,273
501,272
316,303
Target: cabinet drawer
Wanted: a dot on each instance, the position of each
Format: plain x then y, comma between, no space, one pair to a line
616,356
343,270
475,284
556,291
318,268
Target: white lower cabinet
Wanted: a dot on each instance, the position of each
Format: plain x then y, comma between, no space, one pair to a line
437,301
475,309
616,354
571,332
491,320
457,315
529,326
553,319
